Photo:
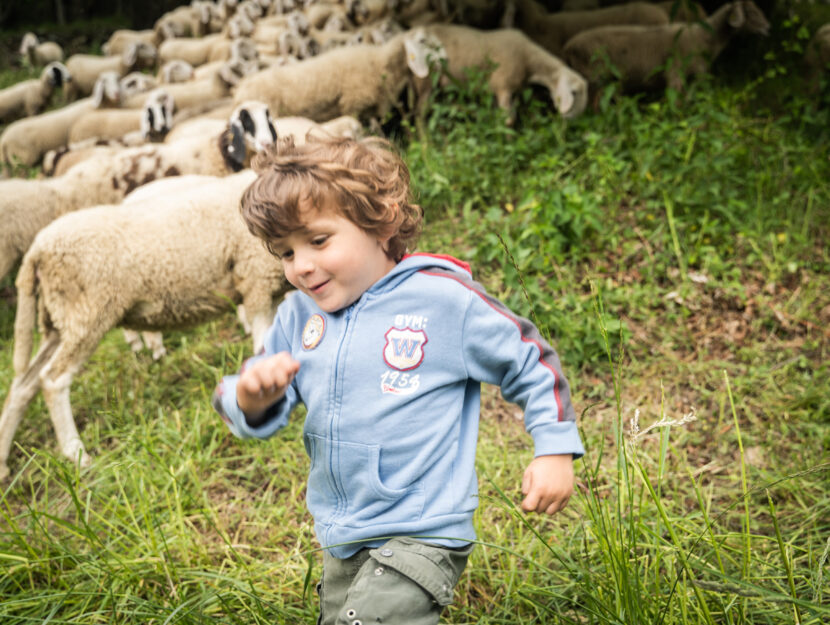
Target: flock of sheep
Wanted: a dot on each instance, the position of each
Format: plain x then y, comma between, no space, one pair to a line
155,142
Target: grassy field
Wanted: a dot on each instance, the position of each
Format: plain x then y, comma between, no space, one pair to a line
675,251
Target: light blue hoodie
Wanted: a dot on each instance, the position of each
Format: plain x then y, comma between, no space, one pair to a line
392,388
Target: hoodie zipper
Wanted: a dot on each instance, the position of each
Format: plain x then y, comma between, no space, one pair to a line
334,421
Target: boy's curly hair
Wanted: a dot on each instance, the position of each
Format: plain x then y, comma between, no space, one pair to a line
364,180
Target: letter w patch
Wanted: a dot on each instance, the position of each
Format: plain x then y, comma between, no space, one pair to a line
404,349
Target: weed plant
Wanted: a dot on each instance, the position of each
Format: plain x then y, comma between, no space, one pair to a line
674,250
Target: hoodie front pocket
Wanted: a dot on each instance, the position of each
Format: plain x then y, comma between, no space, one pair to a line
344,482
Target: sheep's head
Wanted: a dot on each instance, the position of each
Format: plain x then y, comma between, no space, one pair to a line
243,49
298,23
136,82
250,130
570,93
139,55
423,52
745,16
29,42
235,70
56,75
157,115
176,71
107,90
240,25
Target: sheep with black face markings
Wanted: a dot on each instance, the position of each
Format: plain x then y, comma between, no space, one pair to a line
647,57
36,53
29,97
130,266
26,206
152,120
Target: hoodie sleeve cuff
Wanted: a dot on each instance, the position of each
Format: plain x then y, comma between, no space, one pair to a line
557,438
224,402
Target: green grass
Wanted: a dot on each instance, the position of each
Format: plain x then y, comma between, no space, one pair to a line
676,252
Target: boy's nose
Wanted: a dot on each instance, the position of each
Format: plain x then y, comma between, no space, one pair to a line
303,263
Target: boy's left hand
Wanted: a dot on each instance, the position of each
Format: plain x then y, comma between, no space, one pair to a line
548,483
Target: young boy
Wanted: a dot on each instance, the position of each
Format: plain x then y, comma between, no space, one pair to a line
387,351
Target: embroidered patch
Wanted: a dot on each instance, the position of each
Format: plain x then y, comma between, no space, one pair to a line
313,331
404,349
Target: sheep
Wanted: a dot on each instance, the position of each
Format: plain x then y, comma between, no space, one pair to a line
363,81
177,22
27,140
152,121
518,61
26,206
29,97
683,10
121,38
553,30
817,56
211,89
37,54
130,266
136,82
194,51
175,71
647,57
85,68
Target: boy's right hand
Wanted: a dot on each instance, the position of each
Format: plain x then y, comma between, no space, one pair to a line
263,384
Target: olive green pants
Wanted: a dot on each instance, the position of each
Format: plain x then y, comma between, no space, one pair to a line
403,582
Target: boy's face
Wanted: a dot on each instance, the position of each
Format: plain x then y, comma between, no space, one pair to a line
332,260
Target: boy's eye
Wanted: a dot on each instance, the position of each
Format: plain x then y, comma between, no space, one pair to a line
319,240
285,254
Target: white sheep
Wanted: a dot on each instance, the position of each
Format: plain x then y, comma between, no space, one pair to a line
136,82
553,30
29,97
175,71
153,121
26,206
200,92
85,68
518,62
130,266
646,57
177,22
194,51
36,53
364,81
25,141
121,38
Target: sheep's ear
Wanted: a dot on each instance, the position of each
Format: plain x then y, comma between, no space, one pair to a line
98,94
131,55
736,15
231,73
417,52
563,98
148,119
232,146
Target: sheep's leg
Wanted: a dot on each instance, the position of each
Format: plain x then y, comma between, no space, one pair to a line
243,318
133,338
155,343
504,98
23,389
56,379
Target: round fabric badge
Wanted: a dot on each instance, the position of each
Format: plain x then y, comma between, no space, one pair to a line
313,331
